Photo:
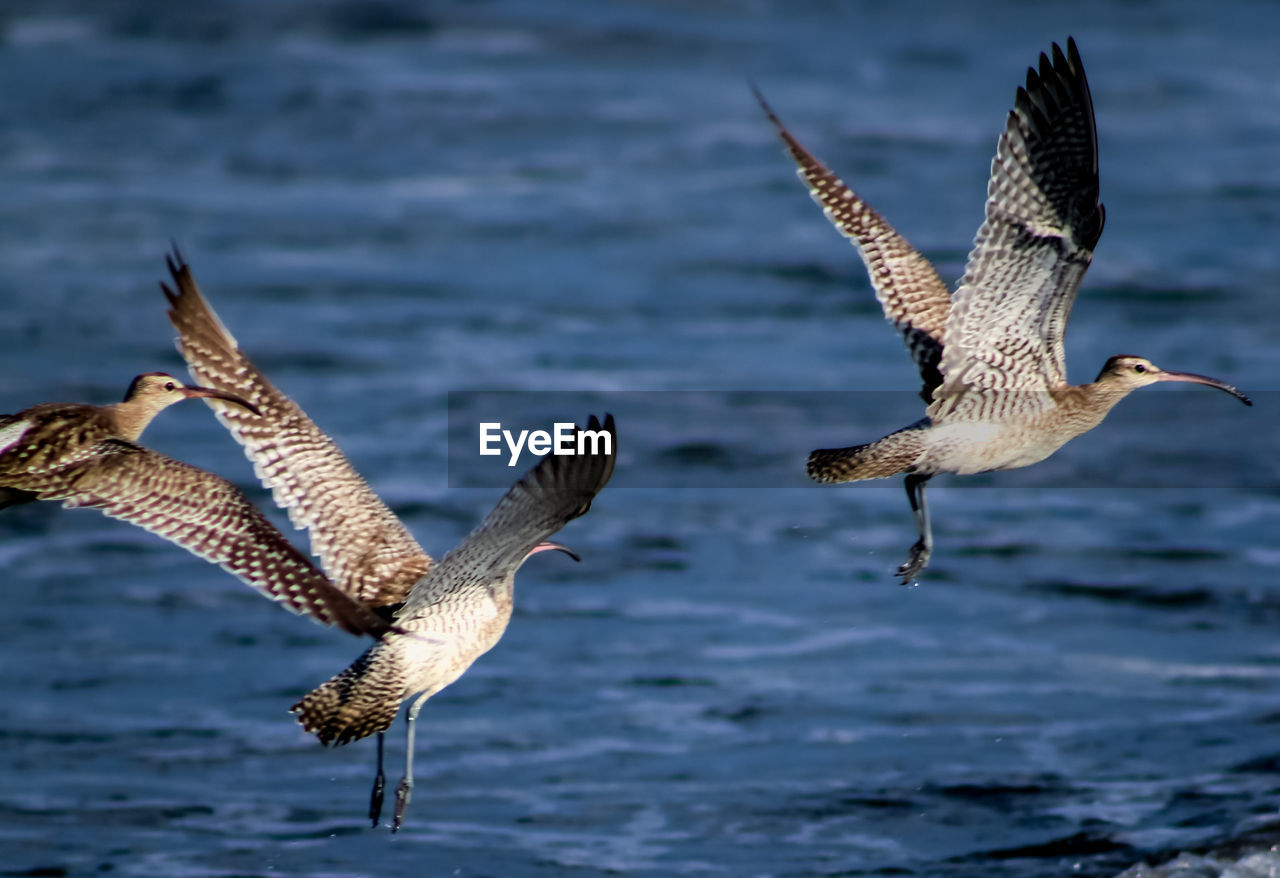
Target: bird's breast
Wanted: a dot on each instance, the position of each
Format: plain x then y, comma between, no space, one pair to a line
466,626
966,447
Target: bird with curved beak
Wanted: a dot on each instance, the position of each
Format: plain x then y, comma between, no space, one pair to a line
457,612
50,436
364,548
88,455
991,355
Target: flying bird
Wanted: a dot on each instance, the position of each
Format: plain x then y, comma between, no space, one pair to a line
460,609
363,547
991,354
89,456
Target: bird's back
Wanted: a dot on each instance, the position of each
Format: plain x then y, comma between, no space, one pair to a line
47,436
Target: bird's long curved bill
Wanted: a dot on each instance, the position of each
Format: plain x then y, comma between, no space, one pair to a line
1193,378
210,393
550,546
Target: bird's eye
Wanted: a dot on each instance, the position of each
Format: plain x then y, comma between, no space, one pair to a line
168,385
1139,368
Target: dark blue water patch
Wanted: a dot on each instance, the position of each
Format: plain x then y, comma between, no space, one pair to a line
945,60
695,456
653,552
828,806
30,519
1136,294
1154,596
1005,550
853,285
379,19
1004,795
1103,852
1268,764
66,739
1179,554
666,682
191,95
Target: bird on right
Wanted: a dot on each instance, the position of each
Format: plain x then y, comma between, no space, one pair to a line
991,355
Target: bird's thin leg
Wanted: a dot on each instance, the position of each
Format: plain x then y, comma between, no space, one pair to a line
923,548
404,790
379,784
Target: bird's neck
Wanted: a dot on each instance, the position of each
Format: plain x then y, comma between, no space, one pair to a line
129,418
1093,401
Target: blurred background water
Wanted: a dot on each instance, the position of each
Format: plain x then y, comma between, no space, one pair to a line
390,202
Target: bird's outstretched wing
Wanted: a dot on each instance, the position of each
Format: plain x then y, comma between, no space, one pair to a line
914,298
1043,219
206,515
557,490
361,543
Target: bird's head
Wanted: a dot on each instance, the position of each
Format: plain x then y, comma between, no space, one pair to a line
158,390
1124,373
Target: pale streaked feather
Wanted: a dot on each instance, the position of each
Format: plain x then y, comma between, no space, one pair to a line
914,298
361,543
12,433
1043,219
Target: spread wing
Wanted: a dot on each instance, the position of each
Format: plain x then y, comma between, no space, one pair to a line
1043,219
362,545
914,298
556,491
207,516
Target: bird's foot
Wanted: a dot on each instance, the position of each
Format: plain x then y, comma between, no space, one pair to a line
375,798
404,792
916,561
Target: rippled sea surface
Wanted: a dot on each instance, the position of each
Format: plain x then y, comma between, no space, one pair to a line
389,203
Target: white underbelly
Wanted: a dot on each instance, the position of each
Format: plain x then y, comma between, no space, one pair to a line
969,447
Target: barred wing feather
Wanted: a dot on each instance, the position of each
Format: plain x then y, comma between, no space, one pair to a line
361,543
1043,219
209,517
914,298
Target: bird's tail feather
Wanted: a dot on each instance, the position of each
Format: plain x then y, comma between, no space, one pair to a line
360,701
898,452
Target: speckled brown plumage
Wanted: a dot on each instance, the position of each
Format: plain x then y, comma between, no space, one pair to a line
362,700
885,457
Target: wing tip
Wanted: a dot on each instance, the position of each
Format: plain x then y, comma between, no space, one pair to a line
585,471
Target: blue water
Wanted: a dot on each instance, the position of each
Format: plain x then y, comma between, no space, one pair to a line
389,202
